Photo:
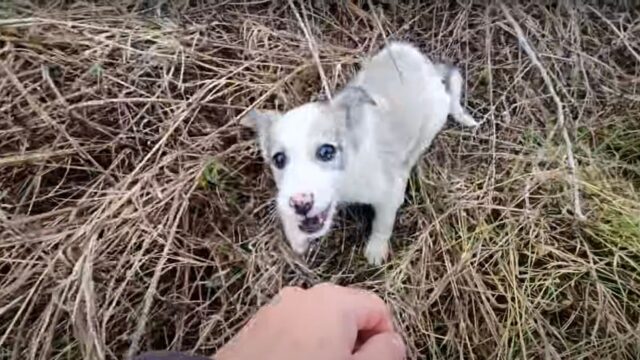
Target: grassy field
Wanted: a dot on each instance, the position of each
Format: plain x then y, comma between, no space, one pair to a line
136,213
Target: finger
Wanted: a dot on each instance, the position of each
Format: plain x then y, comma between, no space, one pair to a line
368,311
384,346
287,291
371,313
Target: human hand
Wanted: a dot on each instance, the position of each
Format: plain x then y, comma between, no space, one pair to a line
326,322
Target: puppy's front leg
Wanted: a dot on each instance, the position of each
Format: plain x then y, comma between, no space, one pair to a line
377,248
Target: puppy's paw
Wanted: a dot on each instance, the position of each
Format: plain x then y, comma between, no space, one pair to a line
377,250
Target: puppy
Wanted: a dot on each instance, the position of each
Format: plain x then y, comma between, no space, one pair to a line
360,146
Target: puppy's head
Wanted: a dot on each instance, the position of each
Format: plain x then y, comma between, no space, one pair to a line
308,149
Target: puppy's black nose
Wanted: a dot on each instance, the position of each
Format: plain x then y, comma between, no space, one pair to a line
301,203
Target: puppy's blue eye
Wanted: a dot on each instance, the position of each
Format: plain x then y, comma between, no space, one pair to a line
326,152
279,160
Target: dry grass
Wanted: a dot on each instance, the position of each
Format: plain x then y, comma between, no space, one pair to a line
135,213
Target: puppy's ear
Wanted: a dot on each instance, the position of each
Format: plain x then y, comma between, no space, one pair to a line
261,121
352,100
256,118
353,96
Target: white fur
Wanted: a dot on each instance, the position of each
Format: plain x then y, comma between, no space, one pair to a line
382,122
302,176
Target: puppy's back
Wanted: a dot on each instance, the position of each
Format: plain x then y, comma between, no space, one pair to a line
412,100
397,71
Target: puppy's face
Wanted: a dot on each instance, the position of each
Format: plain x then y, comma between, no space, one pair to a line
308,149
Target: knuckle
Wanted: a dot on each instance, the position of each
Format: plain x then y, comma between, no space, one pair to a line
288,291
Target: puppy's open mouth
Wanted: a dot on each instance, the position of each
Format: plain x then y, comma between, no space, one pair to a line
313,224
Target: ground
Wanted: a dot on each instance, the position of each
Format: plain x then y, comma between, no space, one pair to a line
136,213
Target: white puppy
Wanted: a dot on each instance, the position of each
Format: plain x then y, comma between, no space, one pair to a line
359,147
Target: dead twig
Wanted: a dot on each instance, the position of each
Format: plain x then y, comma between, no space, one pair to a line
571,162
313,47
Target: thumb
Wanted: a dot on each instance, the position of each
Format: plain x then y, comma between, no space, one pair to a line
383,346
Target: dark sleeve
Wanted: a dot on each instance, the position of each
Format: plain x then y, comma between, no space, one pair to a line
169,355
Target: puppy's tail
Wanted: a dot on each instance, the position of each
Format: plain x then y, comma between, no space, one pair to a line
453,84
